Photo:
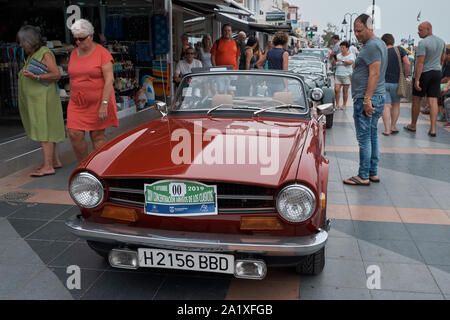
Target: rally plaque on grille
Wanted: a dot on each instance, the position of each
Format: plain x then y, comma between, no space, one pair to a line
180,198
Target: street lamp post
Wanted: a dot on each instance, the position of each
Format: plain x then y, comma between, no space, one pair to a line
344,32
351,22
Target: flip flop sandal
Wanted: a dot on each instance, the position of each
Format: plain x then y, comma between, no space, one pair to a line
375,180
39,175
356,182
395,131
386,134
407,128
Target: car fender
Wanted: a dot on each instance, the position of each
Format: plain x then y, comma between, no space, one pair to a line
328,96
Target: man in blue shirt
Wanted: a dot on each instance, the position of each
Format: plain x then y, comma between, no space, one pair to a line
368,93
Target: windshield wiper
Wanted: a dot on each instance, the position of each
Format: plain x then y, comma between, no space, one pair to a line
296,106
234,107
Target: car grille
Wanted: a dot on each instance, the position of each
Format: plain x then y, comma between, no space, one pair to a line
231,198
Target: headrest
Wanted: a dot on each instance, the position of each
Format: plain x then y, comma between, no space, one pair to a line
219,99
285,97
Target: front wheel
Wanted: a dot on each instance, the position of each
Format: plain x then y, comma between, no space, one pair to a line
313,264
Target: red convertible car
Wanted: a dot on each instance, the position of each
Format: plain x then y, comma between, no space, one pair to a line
231,179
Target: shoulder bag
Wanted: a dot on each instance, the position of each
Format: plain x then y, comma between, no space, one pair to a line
402,84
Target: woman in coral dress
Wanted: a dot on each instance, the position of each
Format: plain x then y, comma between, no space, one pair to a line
92,105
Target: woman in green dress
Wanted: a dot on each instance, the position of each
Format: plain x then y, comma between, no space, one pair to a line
39,105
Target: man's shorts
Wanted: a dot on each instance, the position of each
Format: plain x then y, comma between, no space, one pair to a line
430,82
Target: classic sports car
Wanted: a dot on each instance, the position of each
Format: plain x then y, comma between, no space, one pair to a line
231,179
318,82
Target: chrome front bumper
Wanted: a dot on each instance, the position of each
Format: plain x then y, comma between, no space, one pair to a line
193,241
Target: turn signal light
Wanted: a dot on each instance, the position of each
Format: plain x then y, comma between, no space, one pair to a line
261,223
323,200
118,213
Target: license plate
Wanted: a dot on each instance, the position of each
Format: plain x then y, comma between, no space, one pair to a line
193,261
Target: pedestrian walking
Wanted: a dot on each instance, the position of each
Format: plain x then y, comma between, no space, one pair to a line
39,103
337,47
354,50
205,51
278,57
184,45
250,58
92,106
430,54
443,114
368,92
331,58
343,76
185,66
225,51
447,104
398,63
241,41
262,63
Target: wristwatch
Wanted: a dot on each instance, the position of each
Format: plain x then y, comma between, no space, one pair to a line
105,102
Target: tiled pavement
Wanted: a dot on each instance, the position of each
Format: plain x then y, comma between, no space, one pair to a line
401,226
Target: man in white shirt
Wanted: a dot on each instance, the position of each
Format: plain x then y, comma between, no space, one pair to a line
354,50
185,66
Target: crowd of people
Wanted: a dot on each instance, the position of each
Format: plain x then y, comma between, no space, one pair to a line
242,53
378,81
376,73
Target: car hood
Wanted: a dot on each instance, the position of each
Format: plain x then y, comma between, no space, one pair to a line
265,151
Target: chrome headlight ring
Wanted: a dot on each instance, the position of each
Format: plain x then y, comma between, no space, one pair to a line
86,190
317,94
296,203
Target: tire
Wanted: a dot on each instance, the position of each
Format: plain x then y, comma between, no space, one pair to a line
313,264
330,121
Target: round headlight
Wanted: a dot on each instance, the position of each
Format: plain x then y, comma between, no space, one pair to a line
296,203
86,190
317,94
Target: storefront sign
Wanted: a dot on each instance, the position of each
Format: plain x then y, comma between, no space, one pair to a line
276,16
73,14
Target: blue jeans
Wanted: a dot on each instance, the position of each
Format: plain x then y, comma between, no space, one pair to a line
367,136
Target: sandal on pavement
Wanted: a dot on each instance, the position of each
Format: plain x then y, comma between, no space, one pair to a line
376,180
38,174
394,131
409,129
386,134
354,181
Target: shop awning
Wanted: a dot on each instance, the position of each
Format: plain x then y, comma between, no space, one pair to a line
244,25
213,6
235,22
269,28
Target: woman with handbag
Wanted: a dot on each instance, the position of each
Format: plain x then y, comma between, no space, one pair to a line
39,103
396,85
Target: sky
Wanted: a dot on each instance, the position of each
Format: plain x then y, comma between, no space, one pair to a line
398,17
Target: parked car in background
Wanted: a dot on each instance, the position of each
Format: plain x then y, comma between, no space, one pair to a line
318,82
231,179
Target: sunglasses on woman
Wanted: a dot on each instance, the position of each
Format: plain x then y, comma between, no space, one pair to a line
80,39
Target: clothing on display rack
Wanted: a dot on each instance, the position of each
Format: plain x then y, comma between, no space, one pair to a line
161,72
160,34
12,59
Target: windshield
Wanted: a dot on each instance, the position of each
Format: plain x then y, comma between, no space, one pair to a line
300,66
241,91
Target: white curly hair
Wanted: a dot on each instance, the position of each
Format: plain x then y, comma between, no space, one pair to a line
82,26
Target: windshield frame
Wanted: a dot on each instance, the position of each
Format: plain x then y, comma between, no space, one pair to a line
273,73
